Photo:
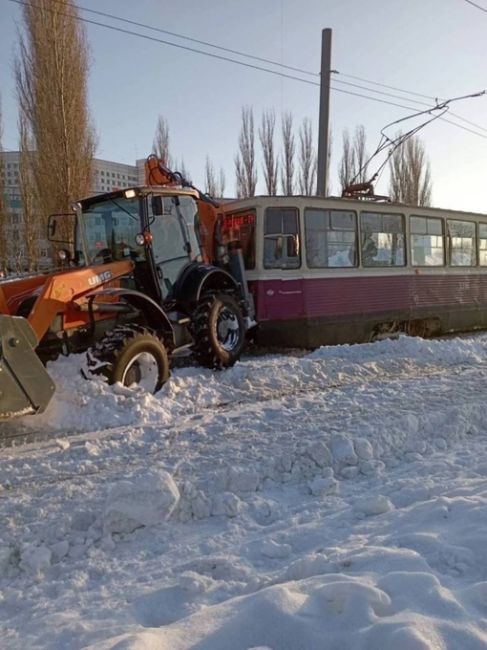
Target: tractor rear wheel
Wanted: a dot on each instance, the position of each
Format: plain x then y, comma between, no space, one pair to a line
218,330
130,354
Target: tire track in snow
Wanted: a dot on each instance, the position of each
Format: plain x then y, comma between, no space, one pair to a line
173,439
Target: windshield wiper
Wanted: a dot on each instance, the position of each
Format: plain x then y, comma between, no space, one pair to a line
120,207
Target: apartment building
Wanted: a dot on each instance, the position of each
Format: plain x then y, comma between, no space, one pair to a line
107,176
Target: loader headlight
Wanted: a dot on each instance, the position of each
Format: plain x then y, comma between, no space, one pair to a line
130,194
63,255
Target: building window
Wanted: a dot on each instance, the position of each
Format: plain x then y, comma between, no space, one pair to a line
461,243
427,241
331,238
382,239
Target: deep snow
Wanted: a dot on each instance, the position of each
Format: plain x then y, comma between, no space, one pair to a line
333,501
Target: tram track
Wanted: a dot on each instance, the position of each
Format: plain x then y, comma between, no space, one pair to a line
26,437
55,441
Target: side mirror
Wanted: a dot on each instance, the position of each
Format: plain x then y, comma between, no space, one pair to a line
51,226
61,227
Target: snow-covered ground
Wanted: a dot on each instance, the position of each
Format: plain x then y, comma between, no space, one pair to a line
333,501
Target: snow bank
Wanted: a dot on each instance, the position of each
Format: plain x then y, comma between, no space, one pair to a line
336,498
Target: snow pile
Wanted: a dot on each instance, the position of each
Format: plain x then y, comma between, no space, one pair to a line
337,498
148,501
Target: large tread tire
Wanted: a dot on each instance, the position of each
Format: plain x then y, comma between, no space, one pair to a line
118,357
218,331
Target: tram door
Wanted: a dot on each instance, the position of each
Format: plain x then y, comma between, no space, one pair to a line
282,291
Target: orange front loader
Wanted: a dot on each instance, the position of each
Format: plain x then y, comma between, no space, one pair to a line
63,298
141,286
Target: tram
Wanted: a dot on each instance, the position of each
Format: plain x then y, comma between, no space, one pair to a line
333,270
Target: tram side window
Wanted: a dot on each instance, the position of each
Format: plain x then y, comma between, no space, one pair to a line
331,238
483,244
427,241
461,241
382,239
281,239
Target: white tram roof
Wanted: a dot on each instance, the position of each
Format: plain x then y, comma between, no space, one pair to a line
337,202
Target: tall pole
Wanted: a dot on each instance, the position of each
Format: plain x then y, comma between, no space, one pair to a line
322,167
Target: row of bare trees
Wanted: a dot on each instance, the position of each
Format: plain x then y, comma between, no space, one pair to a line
295,172
294,167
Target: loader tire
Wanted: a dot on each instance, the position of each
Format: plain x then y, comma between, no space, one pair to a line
130,354
218,331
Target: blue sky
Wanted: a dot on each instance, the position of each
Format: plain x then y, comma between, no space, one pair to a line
433,47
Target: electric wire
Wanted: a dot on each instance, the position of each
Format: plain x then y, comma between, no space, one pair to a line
474,4
415,101
191,39
247,65
269,61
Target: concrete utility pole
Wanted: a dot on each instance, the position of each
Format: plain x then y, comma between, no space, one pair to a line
322,167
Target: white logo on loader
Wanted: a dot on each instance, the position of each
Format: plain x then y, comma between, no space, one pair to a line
98,279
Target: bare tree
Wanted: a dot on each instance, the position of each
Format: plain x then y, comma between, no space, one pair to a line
347,162
181,168
288,153
29,230
221,183
307,158
214,186
266,136
239,178
210,179
410,174
328,163
51,82
3,207
361,155
160,145
245,168
353,164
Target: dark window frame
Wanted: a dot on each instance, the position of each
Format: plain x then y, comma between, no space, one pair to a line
283,235
252,238
474,248
403,232
479,238
331,210
443,235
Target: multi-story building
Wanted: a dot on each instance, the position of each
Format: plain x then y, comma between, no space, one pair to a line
107,176
112,175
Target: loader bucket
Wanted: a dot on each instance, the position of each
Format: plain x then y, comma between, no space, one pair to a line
25,386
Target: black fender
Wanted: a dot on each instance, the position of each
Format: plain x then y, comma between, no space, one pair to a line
155,316
197,279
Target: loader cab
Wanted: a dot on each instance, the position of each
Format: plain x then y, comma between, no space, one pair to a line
154,228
